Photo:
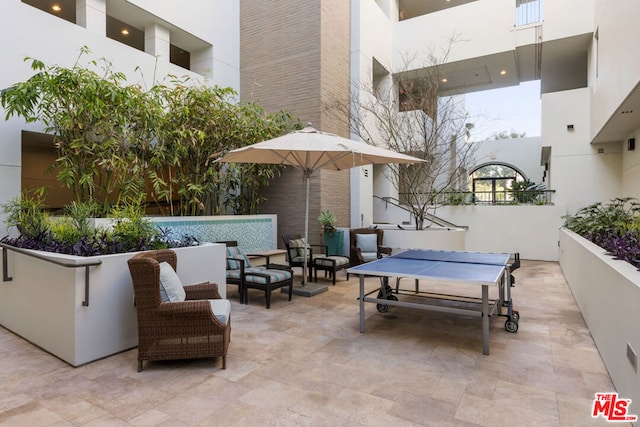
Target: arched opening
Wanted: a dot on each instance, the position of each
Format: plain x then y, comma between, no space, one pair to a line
492,183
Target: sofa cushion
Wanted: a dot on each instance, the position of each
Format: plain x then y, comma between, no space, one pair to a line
367,242
171,289
369,256
332,260
297,248
221,308
237,253
235,274
275,276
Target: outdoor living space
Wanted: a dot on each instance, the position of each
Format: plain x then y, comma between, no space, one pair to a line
305,362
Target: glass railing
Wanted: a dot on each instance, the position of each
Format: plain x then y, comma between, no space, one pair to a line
528,12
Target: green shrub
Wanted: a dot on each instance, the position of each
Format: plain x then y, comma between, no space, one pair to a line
27,214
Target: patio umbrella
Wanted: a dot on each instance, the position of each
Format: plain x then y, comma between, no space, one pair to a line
309,150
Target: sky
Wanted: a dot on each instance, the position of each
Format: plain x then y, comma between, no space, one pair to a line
514,108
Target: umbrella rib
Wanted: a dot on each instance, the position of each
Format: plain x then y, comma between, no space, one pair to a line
330,159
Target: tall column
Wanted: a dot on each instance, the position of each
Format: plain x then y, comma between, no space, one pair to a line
157,41
92,15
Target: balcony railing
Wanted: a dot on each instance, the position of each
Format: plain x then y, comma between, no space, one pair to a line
498,197
528,12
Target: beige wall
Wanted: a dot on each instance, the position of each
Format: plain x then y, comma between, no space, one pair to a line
295,56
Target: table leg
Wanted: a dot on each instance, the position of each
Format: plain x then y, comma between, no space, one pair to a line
508,285
485,319
362,303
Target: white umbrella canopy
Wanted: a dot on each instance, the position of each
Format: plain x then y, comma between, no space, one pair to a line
309,150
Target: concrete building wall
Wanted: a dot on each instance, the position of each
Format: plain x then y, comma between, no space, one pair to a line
567,18
631,167
523,153
581,173
615,64
483,27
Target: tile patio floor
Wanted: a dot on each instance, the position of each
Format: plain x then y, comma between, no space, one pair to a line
304,363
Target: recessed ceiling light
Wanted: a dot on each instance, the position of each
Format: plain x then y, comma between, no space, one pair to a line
56,8
444,80
503,72
124,32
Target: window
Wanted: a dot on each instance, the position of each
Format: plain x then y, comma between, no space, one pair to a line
65,9
125,33
493,183
528,12
180,57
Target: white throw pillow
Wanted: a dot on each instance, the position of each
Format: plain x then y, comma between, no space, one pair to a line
367,242
171,289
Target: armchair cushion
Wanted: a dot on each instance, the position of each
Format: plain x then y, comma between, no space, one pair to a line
171,289
221,308
265,276
234,254
331,261
367,242
298,247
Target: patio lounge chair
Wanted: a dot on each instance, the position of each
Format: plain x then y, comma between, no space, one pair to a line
265,278
295,245
193,322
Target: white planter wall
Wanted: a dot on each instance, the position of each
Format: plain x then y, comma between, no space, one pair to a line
607,291
530,230
43,302
425,239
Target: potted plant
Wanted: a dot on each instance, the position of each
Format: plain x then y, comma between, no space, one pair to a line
331,236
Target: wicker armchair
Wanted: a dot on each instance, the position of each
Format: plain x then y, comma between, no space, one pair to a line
175,330
356,255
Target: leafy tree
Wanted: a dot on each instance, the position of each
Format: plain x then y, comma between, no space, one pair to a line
120,144
245,182
192,133
89,116
409,115
508,135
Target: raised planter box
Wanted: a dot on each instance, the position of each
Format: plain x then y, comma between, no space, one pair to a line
607,292
431,238
43,302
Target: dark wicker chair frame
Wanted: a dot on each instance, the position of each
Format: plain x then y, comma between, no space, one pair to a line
292,253
355,255
332,269
175,330
244,285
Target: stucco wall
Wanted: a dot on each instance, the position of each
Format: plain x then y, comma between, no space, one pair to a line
607,292
581,173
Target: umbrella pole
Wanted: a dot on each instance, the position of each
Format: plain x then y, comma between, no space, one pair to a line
306,231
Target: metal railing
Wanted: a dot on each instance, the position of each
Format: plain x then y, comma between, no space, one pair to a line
429,217
498,197
83,263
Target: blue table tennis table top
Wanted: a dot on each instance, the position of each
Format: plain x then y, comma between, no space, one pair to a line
474,267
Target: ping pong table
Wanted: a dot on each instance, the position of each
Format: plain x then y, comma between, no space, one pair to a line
474,268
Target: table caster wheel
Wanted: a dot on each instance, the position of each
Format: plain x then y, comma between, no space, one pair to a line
382,308
515,315
511,326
